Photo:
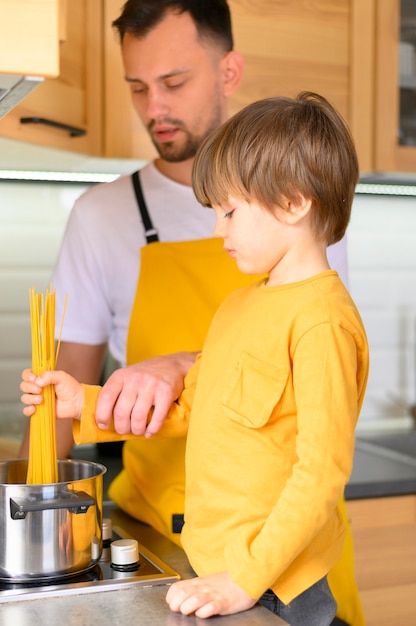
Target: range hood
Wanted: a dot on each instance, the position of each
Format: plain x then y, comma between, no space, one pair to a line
14,88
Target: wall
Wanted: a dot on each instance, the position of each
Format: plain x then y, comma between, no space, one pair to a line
32,220
382,257
382,245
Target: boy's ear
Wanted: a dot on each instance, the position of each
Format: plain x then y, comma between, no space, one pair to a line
295,211
232,71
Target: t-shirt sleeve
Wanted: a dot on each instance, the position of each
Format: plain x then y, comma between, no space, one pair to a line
78,276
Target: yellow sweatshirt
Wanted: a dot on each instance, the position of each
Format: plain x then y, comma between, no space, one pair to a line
273,403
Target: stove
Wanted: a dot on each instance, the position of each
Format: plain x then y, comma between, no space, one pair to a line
149,571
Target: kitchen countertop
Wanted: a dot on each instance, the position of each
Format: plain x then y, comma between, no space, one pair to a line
384,465
142,605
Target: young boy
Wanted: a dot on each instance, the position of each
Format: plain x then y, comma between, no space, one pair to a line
271,405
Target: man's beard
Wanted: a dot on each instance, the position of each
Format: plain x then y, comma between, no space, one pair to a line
173,153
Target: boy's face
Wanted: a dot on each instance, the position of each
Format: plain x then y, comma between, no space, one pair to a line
178,85
253,236
262,242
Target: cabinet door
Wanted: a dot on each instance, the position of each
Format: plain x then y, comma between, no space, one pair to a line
324,46
125,136
74,98
395,127
29,37
384,532
289,46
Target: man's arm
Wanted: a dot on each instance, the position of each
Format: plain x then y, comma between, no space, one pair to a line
130,393
85,363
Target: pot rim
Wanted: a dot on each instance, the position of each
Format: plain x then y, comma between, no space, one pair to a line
61,462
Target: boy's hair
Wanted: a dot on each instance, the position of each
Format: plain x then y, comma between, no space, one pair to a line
211,17
278,149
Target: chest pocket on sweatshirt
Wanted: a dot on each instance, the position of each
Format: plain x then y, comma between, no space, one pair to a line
253,391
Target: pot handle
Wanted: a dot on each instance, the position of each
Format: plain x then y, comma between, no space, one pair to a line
77,502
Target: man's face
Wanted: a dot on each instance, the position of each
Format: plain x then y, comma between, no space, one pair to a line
176,85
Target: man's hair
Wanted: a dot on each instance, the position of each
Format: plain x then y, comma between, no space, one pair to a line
211,17
278,149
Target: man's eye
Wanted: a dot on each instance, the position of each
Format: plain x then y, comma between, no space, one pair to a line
175,85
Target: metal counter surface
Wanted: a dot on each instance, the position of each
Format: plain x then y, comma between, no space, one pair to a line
384,465
141,605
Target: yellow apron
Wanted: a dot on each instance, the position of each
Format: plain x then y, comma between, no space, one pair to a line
181,284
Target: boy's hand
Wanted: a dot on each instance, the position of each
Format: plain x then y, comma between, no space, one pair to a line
216,594
68,391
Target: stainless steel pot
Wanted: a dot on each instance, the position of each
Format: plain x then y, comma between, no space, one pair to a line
50,531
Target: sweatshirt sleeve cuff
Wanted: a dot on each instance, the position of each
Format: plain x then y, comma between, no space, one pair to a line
86,430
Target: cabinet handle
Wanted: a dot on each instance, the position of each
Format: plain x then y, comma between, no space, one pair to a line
72,130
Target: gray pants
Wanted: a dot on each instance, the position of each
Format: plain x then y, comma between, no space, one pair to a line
314,607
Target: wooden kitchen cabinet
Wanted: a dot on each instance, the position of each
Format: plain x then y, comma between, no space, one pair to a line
74,98
125,136
384,532
395,98
292,45
347,50
326,46
30,32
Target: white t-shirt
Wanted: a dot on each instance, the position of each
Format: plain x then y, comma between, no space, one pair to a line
99,261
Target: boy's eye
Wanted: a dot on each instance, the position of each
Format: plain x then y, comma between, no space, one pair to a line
228,214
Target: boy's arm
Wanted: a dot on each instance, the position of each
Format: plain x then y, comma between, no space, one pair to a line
328,398
86,430
216,594
132,392
90,430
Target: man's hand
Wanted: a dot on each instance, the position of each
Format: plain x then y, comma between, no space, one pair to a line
131,393
216,594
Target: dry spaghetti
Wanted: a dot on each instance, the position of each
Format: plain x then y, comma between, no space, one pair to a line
42,462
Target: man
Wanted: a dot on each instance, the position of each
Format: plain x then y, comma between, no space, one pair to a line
181,68
157,299
180,92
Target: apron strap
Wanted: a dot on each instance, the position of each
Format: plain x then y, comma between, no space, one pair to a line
149,230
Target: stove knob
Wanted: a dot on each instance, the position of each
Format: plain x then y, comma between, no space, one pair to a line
95,549
107,530
120,574
125,555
